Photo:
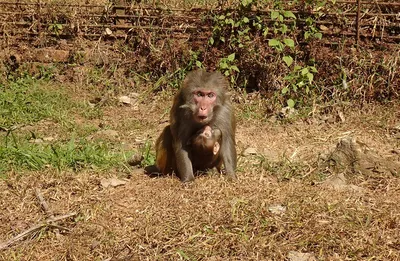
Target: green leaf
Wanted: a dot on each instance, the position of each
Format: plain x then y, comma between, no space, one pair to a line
274,15
289,42
231,57
289,14
230,21
226,73
222,39
265,32
285,90
288,60
199,64
211,41
291,103
235,68
304,71
284,28
246,20
313,69
310,77
297,67
221,17
273,42
318,35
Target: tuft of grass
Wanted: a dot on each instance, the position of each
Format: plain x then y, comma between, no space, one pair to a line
73,154
27,101
24,101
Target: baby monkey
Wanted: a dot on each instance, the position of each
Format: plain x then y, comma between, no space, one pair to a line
205,147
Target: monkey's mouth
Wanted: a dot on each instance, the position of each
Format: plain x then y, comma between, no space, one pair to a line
202,119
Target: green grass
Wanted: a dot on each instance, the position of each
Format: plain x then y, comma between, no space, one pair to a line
73,154
27,102
24,102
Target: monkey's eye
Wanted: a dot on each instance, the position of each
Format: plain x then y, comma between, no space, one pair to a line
211,95
199,94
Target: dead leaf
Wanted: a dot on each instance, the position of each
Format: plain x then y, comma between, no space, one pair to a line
113,182
277,209
249,151
298,256
323,28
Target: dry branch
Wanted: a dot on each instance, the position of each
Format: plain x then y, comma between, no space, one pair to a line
47,223
43,203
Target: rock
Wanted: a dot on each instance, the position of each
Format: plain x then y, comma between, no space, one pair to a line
353,157
125,100
135,160
108,31
338,182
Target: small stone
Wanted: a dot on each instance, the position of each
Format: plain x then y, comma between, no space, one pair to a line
125,100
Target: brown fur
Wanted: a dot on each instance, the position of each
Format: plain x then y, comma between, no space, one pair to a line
183,125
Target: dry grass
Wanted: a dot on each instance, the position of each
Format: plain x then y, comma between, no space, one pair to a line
213,219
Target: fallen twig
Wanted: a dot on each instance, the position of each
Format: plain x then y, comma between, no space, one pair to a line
43,203
47,223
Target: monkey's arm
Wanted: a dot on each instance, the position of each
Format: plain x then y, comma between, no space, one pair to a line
229,156
183,163
226,122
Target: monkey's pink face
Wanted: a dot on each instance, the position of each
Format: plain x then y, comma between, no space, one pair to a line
205,101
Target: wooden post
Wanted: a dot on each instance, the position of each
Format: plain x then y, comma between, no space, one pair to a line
358,22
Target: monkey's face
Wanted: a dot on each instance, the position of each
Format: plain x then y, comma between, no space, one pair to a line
204,102
207,141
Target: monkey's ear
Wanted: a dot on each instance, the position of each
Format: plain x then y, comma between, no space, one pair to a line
216,148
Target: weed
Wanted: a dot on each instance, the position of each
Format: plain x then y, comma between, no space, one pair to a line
148,157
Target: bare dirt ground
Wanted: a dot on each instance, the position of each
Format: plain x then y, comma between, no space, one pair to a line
279,209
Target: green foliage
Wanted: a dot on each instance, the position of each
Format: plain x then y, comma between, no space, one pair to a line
27,101
234,31
299,79
24,102
299,84
148,157
228,68
55,28
19,153
311,30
